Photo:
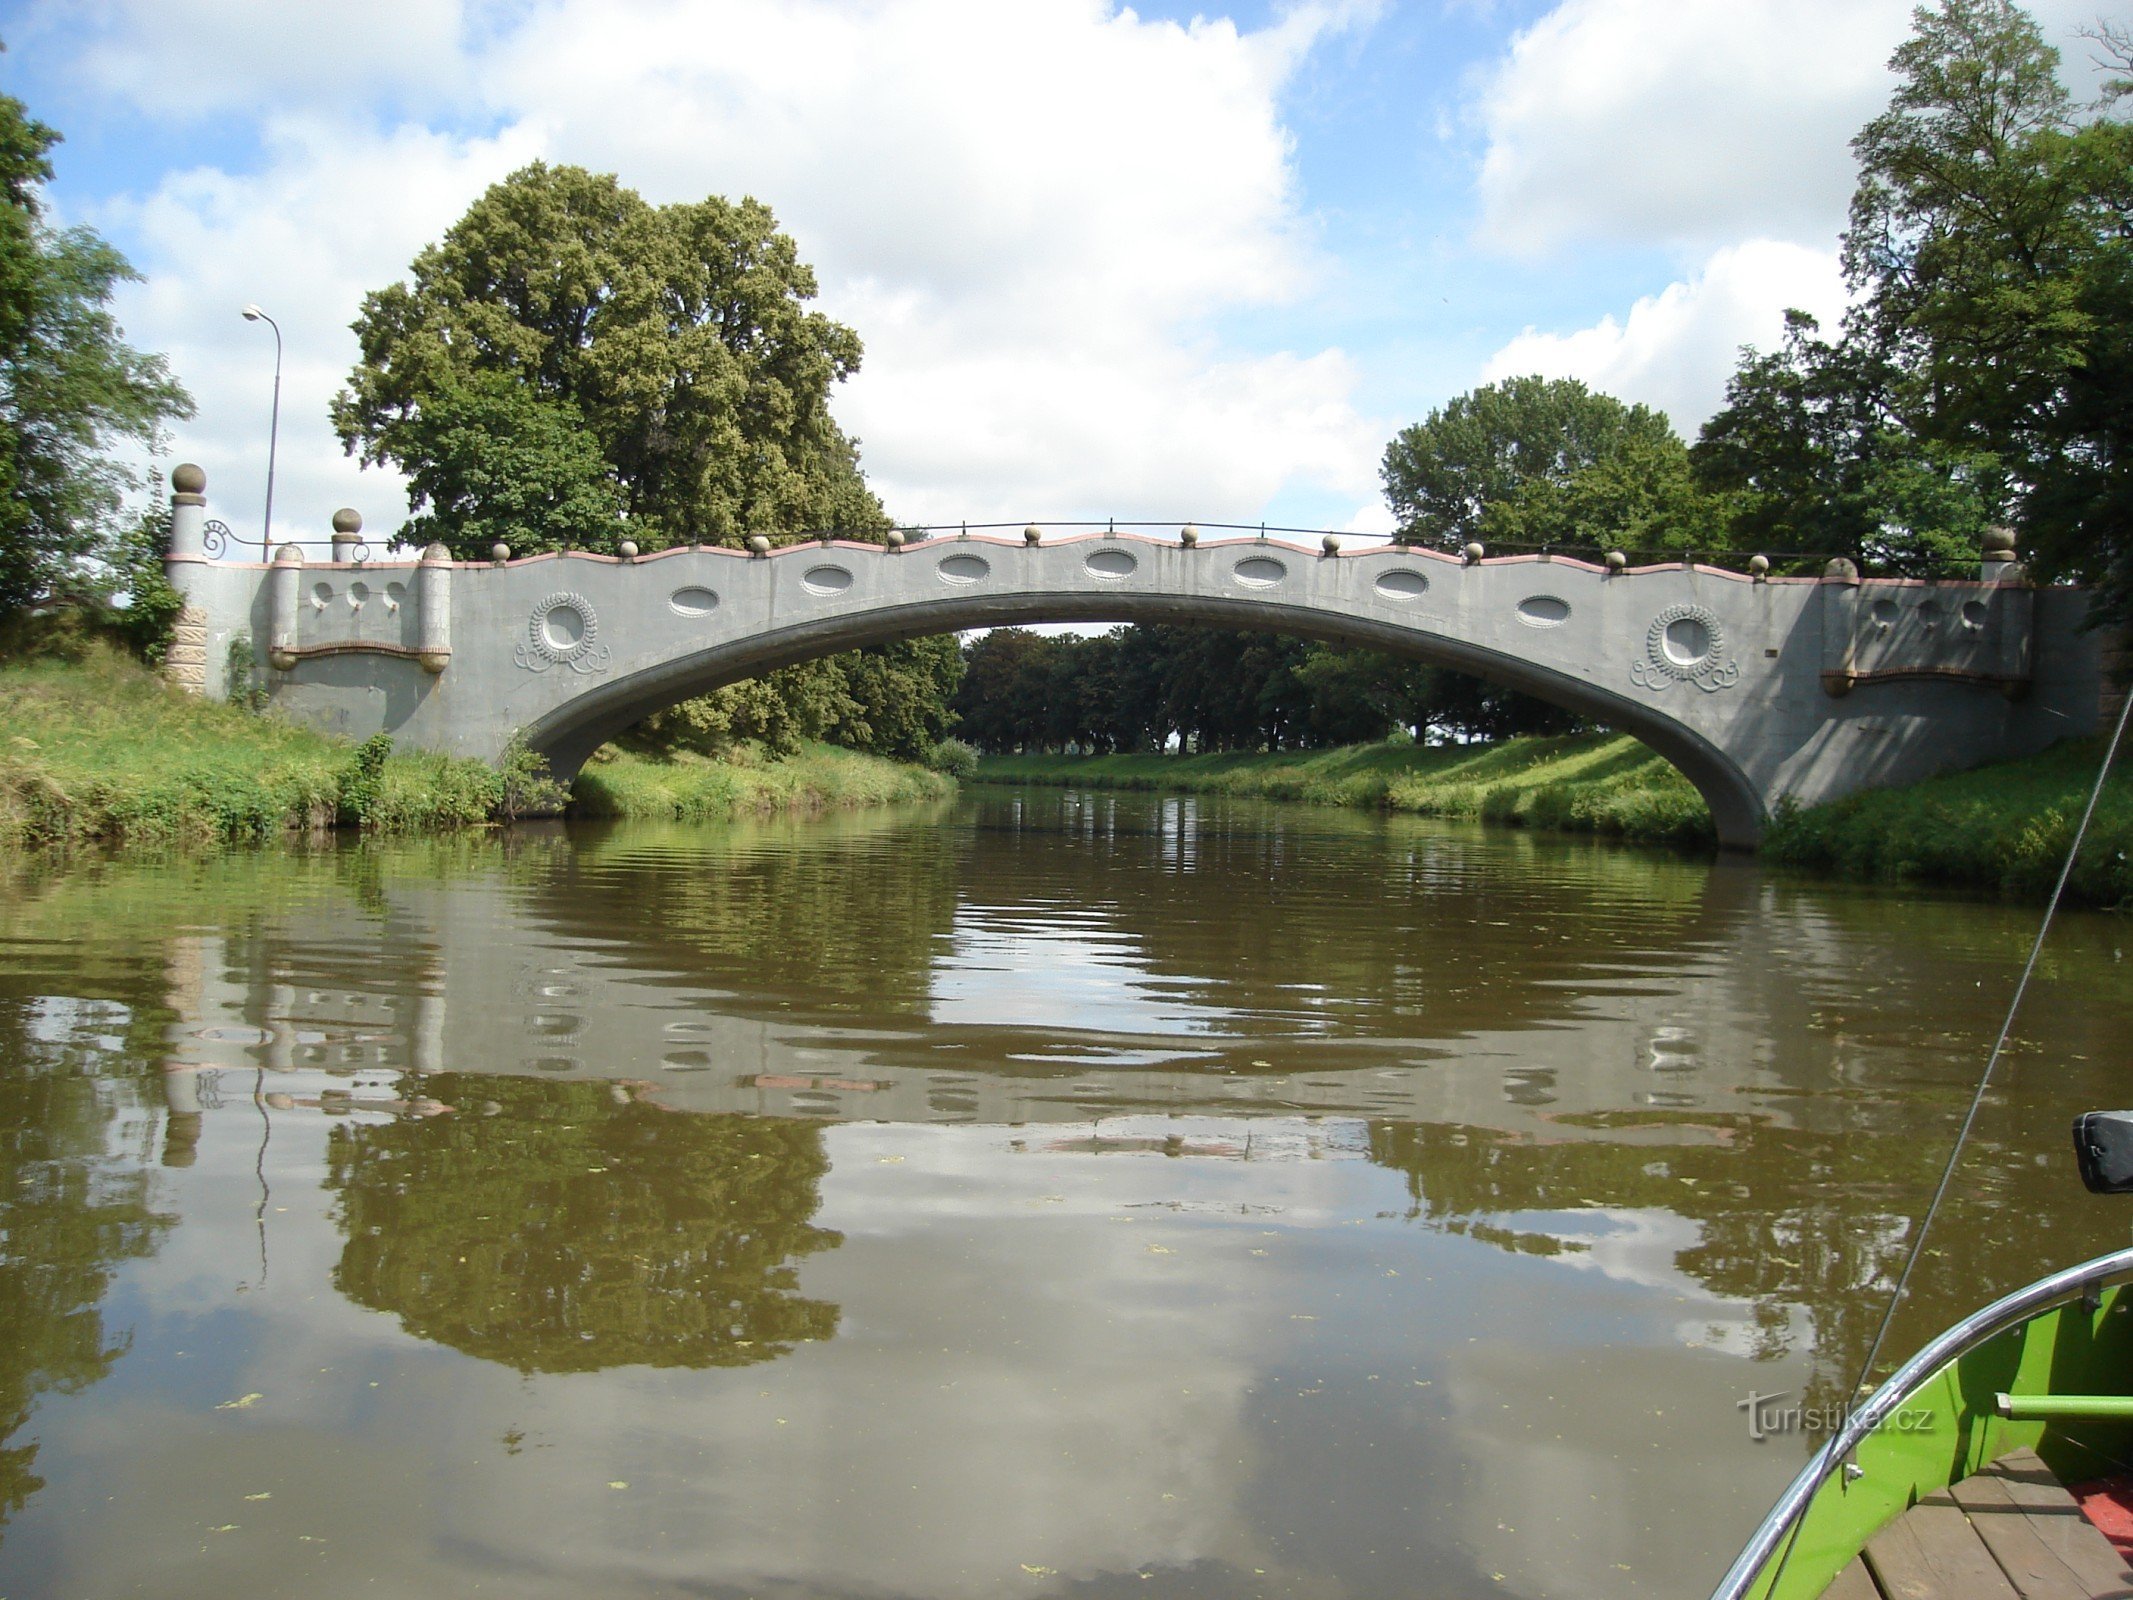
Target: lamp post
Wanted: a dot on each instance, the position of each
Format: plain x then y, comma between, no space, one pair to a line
266,524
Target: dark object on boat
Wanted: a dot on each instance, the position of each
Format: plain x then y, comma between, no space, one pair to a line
2103,1146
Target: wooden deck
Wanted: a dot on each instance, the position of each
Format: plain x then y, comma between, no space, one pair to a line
2009,1533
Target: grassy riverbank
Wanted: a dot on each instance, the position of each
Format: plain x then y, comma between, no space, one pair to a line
686,788
2003,828
1580,783
95,747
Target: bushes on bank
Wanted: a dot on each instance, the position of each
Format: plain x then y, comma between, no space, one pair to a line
747,781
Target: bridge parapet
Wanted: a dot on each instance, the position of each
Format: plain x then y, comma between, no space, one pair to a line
1757,687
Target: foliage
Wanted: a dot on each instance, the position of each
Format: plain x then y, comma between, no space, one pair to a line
1987,366
71,389
1812,456
953,758
361,778
148,615
575,365
564,1232
240,675
1540,461
1586,783
527,789
1212,689
2003,828
889,700
687,787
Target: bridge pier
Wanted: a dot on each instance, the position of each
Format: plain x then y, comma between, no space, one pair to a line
1758,688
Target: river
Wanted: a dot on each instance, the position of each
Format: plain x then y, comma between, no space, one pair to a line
1049,1194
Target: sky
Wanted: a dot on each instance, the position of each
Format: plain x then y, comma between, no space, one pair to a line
1155,263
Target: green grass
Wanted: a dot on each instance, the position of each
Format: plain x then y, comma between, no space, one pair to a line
688,788
1579,783
2004,828
95,747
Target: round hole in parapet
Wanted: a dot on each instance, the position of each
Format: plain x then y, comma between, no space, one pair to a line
964,569
1111,563
322,593
357,594
693,601
1402,583
1885,611
1543,611
562,627
1259,572
1929,613
1975,613
396,595
825,580
1687,641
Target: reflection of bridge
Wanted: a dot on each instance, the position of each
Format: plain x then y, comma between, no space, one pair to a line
1755,687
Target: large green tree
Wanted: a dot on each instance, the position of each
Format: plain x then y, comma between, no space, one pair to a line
1545,461
570,365
1991,247
71,389
1813,458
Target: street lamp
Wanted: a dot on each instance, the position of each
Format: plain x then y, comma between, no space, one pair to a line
266,526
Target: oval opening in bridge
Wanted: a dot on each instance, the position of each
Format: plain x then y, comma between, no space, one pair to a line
1687,642
1543,611
693,602
825,580
1974,613
964,569
1111,563
1260,572
1885,611
1402,583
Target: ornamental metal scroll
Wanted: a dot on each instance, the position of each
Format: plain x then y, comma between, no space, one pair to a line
215,538
562,632
1685,644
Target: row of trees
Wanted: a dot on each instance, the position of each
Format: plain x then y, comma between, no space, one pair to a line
1984,374
1152,688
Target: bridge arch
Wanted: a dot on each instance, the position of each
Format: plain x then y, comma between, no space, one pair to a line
569,733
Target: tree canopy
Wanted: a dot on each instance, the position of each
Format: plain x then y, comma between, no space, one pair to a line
1986,369
1545,461
570,365
71,389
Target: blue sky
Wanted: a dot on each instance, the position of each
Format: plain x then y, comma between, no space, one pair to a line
1163,262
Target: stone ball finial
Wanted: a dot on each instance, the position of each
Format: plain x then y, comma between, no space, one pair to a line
1617,561
436,554
348,520
1473,552
1998,543
1759,566
1033,535
186,478
895,539
758,545
1188,536
627,549
499,551
1330,545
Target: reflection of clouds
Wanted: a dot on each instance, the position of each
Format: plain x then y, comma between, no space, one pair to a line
1055,967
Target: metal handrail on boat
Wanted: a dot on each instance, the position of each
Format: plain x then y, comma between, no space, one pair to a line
2091,1277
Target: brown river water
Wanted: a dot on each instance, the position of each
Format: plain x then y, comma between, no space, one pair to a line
1046,1195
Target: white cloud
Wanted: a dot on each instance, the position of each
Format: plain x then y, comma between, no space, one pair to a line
1682,120
1696,122
1675,349
1031,214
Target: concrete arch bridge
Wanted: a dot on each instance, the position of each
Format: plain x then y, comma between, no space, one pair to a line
1756,688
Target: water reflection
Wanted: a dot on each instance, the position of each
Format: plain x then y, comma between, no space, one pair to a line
76,1200
1136,1195
567,1227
